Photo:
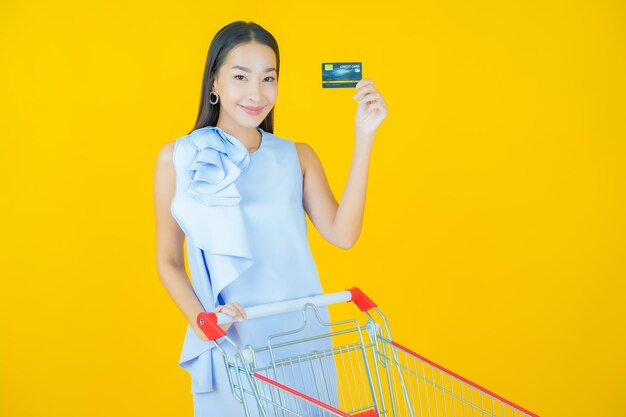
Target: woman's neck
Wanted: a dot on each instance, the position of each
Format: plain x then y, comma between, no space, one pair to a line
249,137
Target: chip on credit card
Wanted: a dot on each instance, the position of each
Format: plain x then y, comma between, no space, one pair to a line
341,74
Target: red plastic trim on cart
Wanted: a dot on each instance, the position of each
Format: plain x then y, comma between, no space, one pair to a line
361,300
467,381
369,413
208,324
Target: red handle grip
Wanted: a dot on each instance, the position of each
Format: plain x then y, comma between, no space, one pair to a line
361,300
208,324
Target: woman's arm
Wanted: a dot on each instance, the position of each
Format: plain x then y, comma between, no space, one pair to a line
169,246
340,223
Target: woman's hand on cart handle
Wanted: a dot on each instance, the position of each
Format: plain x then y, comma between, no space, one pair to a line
235,310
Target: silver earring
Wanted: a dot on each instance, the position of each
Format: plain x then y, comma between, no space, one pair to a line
216,100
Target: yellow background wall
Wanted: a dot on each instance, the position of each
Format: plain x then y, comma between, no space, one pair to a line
494,236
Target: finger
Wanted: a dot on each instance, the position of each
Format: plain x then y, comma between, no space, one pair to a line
365,88
241,310
378,111
375,100
232,309
368,89
233,312
227,309
363,82
372,97
378,97
367,104
369,95
375,107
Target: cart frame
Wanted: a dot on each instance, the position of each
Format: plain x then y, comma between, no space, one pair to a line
369,377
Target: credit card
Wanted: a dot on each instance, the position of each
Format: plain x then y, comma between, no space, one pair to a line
341,74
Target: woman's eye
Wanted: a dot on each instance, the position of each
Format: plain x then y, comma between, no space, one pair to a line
271,78
240,76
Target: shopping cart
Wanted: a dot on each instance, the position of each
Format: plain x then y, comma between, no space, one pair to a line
364,372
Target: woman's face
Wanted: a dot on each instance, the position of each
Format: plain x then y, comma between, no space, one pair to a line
246,84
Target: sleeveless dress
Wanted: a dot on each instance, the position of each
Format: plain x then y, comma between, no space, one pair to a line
246,238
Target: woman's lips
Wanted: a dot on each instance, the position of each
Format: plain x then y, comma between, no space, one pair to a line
252,110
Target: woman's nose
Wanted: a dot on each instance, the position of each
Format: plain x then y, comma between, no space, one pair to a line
254,92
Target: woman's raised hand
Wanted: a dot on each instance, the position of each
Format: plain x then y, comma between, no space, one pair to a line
371,109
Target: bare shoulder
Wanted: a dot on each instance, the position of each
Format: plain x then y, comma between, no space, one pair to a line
166,153
165,160
165,175
304,149
306,154
164,167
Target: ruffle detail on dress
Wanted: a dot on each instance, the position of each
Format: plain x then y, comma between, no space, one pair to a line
218,163
208,207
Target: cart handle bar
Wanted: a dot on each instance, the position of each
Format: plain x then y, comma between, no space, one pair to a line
209,322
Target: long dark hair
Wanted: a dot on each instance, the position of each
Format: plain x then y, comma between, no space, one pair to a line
226,39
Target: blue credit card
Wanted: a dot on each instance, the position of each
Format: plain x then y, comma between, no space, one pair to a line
341,74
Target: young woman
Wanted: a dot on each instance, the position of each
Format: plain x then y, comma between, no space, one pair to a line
236,195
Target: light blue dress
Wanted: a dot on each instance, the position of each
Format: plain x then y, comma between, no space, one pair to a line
246,236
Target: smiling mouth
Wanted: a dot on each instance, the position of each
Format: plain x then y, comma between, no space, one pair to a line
252,110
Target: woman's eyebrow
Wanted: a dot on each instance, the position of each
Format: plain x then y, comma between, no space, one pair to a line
249,70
